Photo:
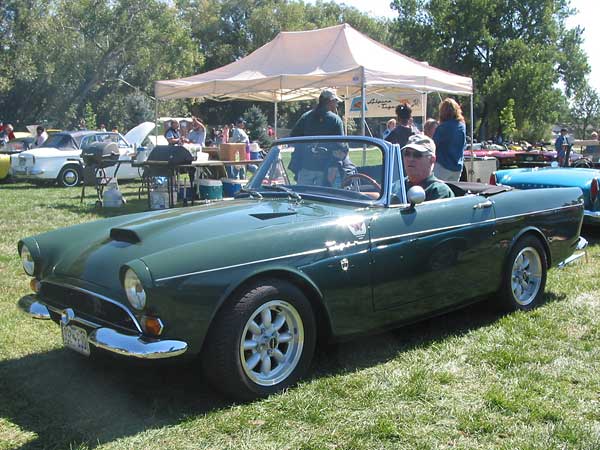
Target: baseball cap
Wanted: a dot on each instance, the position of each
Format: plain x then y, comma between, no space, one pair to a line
240,120
421,143
328,94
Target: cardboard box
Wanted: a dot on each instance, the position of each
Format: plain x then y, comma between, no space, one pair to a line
232,152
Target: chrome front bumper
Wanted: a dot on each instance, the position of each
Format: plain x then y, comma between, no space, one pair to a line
27,171
135,345
591,217
581,245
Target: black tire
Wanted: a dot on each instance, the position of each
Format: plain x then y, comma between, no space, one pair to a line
524,277
583,163
227,362
69,176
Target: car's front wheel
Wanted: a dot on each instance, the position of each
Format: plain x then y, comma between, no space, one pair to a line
69,176
261,342
524,278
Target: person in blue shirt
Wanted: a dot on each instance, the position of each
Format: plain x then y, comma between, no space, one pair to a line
561,145
450,139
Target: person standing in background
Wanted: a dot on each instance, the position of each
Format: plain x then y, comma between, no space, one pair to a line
40,137
403,130
391,124
561,145
198,133
430,127
450,140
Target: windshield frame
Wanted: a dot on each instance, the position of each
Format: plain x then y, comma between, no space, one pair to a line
389,155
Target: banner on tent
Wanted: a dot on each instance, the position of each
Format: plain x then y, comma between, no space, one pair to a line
384,105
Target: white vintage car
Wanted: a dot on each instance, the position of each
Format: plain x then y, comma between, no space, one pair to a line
60,158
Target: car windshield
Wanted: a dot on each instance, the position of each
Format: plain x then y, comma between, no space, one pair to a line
61,141
334,168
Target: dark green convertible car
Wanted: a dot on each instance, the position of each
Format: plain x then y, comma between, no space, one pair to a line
250,285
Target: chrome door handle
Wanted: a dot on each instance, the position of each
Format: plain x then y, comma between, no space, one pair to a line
482,205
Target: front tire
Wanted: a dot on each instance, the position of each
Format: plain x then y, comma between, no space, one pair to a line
69,176
261,342
524,278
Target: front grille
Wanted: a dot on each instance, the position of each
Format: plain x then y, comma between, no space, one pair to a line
87,306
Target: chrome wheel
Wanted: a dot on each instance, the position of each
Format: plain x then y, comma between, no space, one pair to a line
69,176
271,343
526,276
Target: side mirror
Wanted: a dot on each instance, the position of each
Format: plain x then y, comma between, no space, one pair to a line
415,195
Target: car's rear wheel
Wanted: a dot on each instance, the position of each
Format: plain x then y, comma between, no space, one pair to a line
69,176
261,342
524,278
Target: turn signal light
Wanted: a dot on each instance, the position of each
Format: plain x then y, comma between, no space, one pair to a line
493,181
152,325
35,285
594,190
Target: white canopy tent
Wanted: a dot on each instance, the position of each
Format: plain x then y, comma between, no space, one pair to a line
297,65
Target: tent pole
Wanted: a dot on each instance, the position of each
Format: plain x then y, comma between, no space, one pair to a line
470,178
363,100
346,110
156,121
275,124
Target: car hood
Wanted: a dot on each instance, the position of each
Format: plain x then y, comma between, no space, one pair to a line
181,240
548,177
136,135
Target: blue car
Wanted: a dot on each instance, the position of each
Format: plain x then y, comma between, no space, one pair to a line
555,177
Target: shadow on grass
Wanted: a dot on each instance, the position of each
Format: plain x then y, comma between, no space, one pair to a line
364,352
592,234
68,400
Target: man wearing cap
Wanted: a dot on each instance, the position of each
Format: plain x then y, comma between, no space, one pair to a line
561,145
418,156
309,165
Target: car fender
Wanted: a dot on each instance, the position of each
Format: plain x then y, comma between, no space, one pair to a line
536,232
286,273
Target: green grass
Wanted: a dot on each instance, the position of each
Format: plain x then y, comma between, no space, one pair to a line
472,379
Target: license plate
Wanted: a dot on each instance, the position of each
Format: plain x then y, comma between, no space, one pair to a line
75,338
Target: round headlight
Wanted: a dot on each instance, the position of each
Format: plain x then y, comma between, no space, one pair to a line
134,290
27,260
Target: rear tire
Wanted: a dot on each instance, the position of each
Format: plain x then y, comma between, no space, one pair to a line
69,176
524,277
262,341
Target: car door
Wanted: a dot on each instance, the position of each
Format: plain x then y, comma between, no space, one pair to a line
432,255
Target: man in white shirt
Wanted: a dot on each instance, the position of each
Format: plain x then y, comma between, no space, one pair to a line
198,133
239,134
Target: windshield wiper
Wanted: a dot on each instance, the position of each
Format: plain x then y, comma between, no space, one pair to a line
278,187
252,193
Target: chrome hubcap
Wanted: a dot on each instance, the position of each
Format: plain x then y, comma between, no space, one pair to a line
70,177
526,277
272,343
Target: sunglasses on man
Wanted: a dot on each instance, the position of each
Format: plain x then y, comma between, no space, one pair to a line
409,153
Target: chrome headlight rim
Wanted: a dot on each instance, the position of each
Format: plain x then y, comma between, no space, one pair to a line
134,289
27,260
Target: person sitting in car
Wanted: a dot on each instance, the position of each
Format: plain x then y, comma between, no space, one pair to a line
418,156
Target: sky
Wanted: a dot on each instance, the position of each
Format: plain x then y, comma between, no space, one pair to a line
587,17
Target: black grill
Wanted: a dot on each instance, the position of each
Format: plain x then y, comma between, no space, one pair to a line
175,155
100,154
87,306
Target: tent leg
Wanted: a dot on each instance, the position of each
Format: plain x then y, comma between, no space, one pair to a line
275,114
156,121
363,100
470,177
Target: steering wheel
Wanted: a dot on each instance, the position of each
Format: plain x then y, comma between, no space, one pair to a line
348,179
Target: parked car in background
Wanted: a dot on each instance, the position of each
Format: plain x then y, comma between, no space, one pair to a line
504,156
59,158
556,177
249,286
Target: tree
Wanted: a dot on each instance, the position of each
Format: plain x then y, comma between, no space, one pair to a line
508,125
518,49
256,124
585,109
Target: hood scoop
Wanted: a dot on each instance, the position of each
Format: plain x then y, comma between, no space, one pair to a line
124,235
275,215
